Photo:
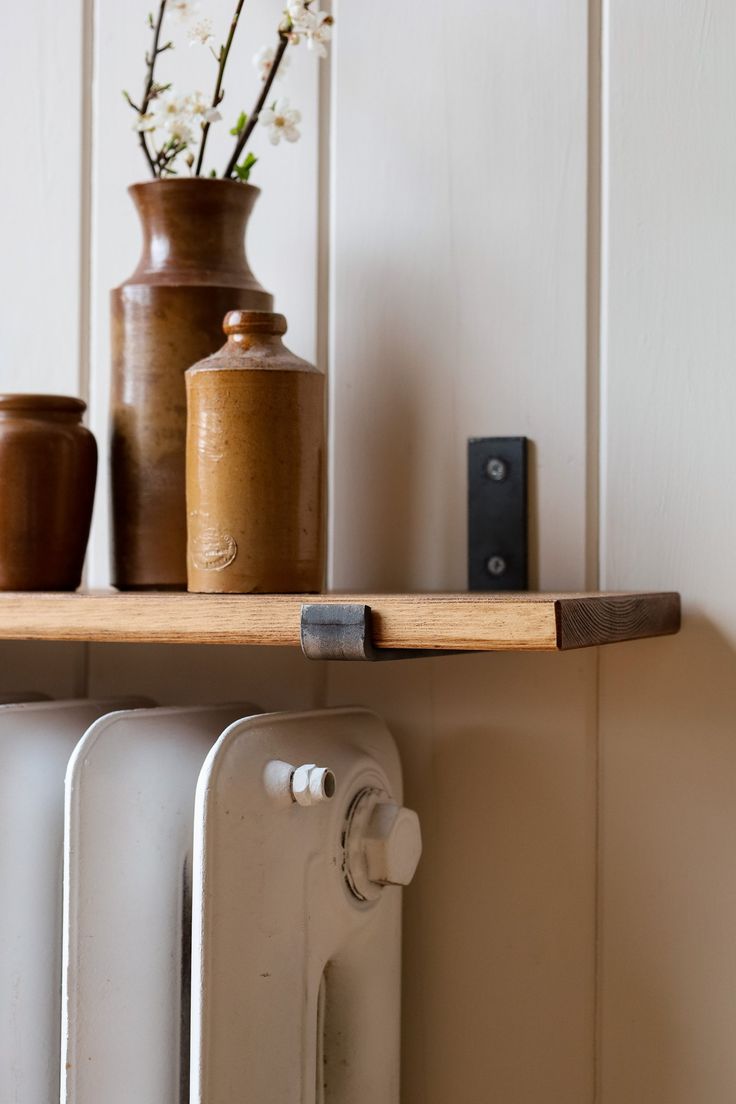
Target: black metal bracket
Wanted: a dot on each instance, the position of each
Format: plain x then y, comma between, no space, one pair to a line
342,630
498,557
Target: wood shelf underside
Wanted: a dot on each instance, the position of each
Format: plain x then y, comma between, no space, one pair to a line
472,622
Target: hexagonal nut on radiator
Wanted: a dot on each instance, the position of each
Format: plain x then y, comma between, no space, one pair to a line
393,844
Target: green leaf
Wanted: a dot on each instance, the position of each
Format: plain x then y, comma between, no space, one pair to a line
239,127
242,171
213,172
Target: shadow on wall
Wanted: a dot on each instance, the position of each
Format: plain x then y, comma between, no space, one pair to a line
54,669
667,875
399,476
385,515
380,466
533,514
274,678
499,761
410,386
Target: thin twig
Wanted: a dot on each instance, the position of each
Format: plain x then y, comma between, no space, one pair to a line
253,119
151,59
217,97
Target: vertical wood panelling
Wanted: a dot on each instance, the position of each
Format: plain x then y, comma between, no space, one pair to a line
458,278
458,309
41,217
42,230
668,710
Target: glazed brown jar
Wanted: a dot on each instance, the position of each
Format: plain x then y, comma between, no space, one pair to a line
255,453
168,315
48,466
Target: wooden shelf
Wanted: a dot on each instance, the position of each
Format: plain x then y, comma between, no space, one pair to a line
472,622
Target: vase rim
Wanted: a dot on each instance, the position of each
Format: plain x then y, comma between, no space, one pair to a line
199,181
254,322
20,401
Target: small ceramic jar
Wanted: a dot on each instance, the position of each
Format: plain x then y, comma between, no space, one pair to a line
255,451
48,466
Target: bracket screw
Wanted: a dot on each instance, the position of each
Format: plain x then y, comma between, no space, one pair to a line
496,565
496,469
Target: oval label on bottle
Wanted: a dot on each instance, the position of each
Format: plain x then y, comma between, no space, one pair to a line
213,550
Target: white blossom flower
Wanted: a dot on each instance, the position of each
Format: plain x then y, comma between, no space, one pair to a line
176,127
294,15
312,24
199,110
296,9
200,33
281,121
179,117
184,10
264,60
318,31
167,115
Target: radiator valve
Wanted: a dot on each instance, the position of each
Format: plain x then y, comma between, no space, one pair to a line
311,784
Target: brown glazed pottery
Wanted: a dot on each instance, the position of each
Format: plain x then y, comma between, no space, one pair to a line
48,466
255,450
164,318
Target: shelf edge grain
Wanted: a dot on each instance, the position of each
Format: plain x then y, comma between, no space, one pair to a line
441,622
587,621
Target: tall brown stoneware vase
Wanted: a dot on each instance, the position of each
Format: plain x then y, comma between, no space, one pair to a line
167,316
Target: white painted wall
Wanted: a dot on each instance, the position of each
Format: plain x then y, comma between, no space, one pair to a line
43,72
458,302
668,797
458,309
477,182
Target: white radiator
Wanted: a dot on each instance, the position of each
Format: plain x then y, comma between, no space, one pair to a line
231,905
36,740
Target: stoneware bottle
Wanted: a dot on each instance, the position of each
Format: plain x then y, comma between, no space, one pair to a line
168,315
48,466
255,451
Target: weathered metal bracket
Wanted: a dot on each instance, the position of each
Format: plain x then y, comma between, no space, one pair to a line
342,630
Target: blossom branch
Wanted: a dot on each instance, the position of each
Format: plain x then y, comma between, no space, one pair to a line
149,90
218,94
253,118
